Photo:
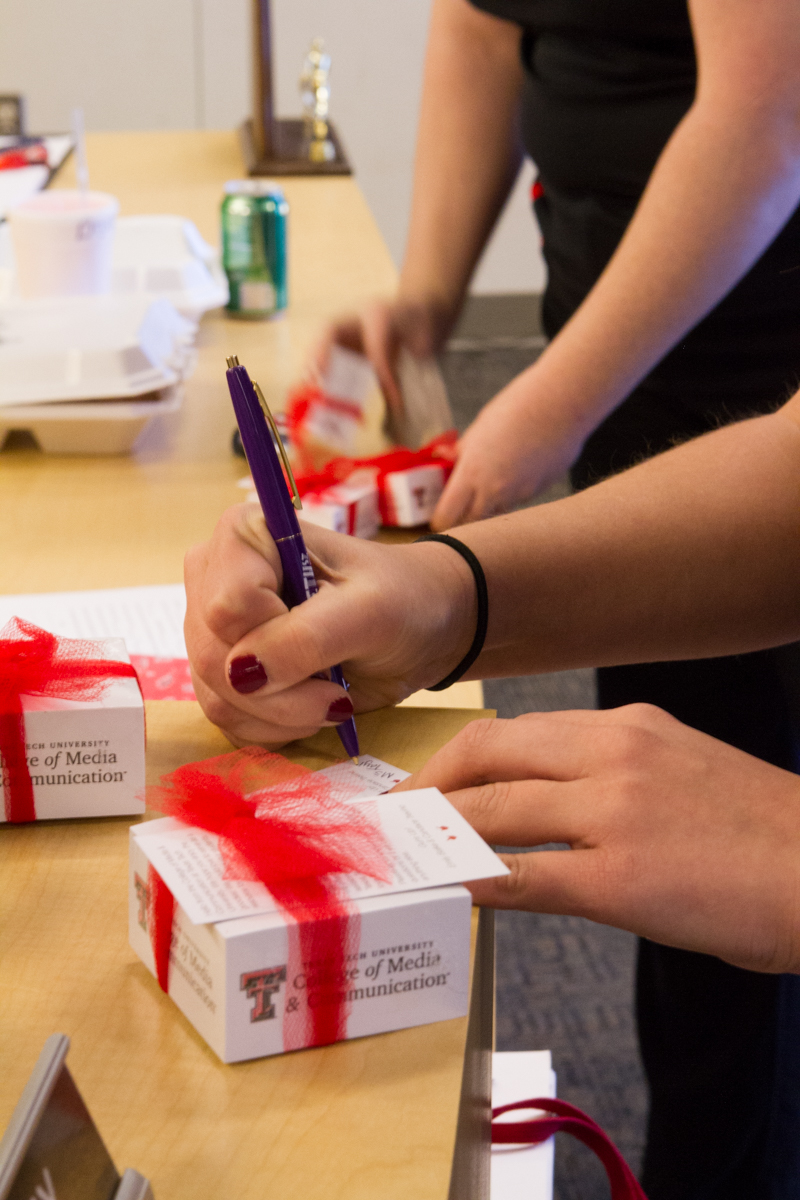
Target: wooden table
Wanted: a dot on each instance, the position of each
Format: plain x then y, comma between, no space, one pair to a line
72,522
375,1117
82,522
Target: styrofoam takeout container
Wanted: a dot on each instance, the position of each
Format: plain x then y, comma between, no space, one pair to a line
165,256
91,348
96,427
86,375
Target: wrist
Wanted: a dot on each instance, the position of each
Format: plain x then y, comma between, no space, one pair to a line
567,383
438,306
450,609
482,607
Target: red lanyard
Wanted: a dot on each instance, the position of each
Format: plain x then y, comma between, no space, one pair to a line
568,1119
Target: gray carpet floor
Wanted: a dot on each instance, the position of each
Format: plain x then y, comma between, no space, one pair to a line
563,984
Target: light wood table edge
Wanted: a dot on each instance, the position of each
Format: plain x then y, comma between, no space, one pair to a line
121,1006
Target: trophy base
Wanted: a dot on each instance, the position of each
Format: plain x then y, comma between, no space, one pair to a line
291,151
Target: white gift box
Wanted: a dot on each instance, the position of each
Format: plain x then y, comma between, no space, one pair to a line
410,496
235,982
86,757
320,511
237,968
333,423
348,507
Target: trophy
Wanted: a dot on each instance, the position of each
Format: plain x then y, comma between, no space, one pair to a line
308,145
315,97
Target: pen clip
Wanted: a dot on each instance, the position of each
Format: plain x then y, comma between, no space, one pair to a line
296,501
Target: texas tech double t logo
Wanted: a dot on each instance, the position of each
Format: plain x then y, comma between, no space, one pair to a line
261,986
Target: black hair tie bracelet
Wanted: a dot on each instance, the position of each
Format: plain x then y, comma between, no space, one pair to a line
483,607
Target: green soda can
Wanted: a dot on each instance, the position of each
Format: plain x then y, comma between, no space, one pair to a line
254,214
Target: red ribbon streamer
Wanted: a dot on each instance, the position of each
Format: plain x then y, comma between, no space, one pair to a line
36,663
569,1119
160,915
280,823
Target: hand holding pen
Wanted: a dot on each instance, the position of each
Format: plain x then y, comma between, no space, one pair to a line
262,445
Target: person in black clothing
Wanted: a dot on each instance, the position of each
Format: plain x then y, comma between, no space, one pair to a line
667,141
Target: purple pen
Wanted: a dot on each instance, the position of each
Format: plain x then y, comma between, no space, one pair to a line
299,582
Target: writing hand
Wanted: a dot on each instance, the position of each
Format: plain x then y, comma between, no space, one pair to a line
396,617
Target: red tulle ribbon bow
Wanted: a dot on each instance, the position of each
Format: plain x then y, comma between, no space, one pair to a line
439,452
566,1118
282,824
36,663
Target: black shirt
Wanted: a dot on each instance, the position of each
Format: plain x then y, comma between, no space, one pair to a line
606,82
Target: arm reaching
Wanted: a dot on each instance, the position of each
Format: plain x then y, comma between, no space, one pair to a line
693,553
467,158
706,216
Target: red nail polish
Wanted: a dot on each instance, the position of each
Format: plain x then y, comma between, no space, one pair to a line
340,710
246,674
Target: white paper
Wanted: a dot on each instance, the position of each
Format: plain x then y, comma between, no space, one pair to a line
522,1172
370,776
430,845
150,619
347,376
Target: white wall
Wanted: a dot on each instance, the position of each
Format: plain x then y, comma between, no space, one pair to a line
129,64
176,64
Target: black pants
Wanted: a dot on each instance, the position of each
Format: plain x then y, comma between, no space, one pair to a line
720,1046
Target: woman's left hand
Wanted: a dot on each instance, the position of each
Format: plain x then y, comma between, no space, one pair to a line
673,834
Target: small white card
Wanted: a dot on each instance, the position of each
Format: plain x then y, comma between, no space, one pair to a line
430,845
347,376
368,777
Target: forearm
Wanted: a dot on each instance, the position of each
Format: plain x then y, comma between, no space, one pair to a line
468,149
691,554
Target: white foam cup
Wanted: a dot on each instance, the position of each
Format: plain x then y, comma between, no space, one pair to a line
63,243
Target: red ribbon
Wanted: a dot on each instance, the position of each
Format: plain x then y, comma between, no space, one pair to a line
280,823
22,156
298,405
569,1119
36,663
439,452
160,915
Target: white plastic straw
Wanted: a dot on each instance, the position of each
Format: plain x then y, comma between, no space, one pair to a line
81,163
